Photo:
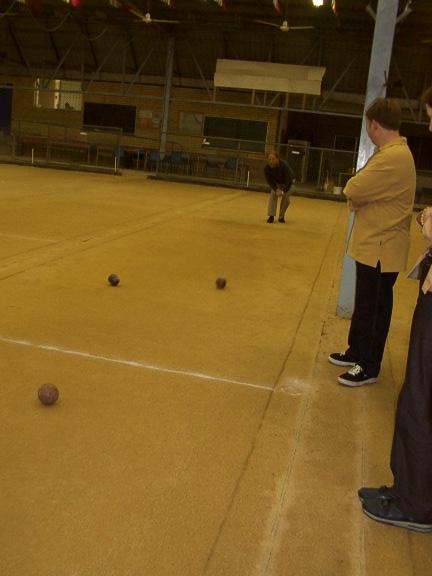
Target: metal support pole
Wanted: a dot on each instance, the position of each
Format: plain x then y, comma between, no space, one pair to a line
167,96
381,53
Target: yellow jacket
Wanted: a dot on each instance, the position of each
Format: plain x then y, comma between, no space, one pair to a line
381,195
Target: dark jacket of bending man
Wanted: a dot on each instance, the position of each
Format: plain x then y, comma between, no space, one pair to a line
279,176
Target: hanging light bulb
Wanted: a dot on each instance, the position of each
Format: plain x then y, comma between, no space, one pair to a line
317,3
73,3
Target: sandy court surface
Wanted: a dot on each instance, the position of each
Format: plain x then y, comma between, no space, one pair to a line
199,431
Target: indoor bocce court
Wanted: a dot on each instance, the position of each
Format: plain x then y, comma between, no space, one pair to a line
198,431
199,427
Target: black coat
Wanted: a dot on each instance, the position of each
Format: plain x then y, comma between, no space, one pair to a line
280,176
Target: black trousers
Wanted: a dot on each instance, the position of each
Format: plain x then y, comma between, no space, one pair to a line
411,456
370,323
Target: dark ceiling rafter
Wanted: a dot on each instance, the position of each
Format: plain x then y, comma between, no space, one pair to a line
133,51
18,47
54,28
313,50
60,63
200,72
216,33
108,55
239,14
87,38
54,46
139,70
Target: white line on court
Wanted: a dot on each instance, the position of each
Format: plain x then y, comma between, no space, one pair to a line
27,237
134,363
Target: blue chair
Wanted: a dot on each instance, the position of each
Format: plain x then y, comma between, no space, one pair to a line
178,161
231,166
212,164
152,160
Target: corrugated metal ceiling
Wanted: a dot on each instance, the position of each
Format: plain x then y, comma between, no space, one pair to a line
108,37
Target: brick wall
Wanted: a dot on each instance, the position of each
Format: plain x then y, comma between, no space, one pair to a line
149,103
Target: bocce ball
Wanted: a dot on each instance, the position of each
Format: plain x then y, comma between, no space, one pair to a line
113,279
48,394
220,283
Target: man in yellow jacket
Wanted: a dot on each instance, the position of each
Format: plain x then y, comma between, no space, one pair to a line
381,195
407,503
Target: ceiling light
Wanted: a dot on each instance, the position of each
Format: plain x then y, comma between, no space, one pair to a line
317,3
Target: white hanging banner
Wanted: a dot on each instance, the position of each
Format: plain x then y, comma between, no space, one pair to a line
291,78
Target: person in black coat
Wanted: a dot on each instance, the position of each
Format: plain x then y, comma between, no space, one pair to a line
408,502
279,176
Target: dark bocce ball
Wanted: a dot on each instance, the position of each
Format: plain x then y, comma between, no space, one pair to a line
220,283
48,394
113,279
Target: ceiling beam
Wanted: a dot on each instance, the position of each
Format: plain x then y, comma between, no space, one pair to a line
18,47
54,46
139,70
114,47
59,64
133,51
200,72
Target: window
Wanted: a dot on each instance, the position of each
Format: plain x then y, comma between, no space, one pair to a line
57,94
110,116
235,134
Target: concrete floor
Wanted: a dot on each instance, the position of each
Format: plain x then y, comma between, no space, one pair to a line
199,432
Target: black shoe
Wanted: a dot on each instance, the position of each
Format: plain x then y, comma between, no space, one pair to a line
270,220
388,512
281,220
341,359
356,377
381,493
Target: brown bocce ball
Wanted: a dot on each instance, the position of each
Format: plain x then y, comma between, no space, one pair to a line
48,394
221,283
113,279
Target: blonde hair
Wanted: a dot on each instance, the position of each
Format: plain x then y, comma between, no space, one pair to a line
273,153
